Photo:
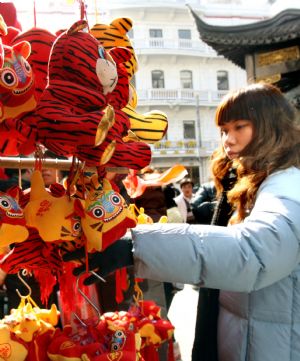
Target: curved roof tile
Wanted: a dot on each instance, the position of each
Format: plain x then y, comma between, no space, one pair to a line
234,42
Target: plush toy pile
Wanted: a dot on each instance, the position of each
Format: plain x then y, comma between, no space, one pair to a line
70,93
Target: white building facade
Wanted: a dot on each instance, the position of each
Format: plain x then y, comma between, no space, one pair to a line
178,73
181,76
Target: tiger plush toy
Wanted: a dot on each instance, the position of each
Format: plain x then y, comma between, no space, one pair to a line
17,86
79,112
18,127
41,41
148,127
16,81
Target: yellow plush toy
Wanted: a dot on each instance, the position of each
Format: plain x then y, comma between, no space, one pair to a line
105,216
27,331
10,348
53,217
148,127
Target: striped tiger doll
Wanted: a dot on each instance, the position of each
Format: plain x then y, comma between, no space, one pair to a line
80,112
149,127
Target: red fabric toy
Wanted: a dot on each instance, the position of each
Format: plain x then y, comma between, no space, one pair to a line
41,41
16,81
72,115
18,133
18,97
105,216
12,220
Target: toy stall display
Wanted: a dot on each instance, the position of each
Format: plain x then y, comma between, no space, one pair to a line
70,93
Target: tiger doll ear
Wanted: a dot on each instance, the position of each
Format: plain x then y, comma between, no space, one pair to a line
14,192
106,185
80,25
3,26
23,48
122,24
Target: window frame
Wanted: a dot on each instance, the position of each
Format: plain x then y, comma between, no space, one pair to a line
187,123
158,80
225,80
181,31
182,79
154,30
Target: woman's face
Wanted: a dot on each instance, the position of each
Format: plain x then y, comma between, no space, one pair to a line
235,136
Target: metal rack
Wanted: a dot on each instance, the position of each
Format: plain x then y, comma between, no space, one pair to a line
61,164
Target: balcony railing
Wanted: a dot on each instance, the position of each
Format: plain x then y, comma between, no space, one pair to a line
180,96
183,148
196,46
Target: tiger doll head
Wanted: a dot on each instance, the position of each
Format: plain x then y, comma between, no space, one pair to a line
12,220
115,35
16,82
78,57
105,216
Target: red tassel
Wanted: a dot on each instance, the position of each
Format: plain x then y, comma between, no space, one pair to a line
150,353
46,281
121,284
171,351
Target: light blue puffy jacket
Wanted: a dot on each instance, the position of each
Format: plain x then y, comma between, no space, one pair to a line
255,264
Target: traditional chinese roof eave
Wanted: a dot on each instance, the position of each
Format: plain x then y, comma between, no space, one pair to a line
234,42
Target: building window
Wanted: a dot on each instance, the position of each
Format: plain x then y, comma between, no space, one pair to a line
186,79
184,34
222,79
189,130
130,34
158,80
155,33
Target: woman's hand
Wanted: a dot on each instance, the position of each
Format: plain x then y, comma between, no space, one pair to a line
116,256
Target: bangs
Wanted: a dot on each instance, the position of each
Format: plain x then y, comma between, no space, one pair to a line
233,107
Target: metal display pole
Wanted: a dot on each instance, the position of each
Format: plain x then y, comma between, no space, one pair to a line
62,164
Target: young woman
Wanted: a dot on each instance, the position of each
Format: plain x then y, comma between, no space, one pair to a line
254,261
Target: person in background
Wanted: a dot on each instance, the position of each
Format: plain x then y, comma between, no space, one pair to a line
254,261
183,200
10,178
203,203
173,213
153,199
52,175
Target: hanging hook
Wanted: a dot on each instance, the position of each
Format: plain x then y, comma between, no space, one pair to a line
88,300
24,273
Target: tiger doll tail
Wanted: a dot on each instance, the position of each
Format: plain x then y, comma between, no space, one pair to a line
148,127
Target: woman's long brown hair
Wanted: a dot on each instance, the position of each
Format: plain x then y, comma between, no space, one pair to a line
275,144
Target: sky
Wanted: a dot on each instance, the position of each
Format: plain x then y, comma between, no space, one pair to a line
59,21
